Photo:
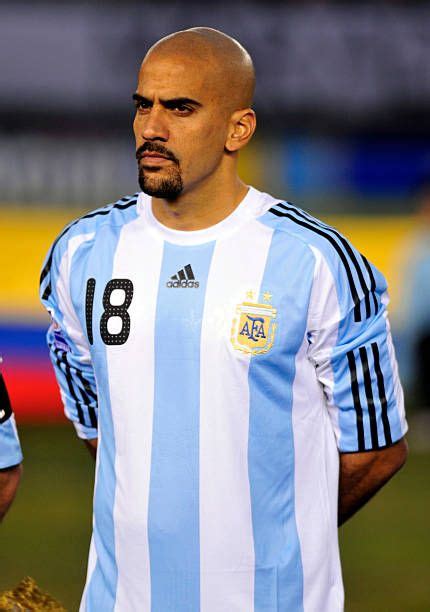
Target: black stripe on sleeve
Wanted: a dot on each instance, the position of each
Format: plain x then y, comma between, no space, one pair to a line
105,211
348,249
62,360
356,398
372,282
85,389
369,397
86,392
317,230
382,395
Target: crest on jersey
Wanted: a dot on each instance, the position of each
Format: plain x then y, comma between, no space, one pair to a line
254,326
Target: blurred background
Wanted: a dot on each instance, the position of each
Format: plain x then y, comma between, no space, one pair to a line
343,103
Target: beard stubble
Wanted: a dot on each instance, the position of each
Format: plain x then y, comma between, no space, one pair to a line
163,182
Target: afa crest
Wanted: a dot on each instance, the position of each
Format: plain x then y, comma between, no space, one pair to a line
254,327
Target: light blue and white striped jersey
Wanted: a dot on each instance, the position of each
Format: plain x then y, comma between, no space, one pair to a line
222,370
10,448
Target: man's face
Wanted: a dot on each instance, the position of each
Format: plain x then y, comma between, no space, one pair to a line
180,125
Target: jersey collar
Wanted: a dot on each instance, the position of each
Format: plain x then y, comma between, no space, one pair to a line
246,210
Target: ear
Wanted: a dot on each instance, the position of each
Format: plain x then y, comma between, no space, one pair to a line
241,129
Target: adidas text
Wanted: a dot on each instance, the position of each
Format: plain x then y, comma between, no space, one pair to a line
185,284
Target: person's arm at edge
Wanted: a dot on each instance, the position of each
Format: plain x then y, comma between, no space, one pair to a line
91,444
363,474
9,481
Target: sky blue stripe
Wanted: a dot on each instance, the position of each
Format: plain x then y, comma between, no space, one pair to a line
101,592
173,515
278,574
392,408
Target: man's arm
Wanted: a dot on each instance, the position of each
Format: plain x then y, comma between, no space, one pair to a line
352,351
68,344
92,447
9,481
363,474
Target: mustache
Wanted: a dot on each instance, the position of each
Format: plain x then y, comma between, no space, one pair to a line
153,147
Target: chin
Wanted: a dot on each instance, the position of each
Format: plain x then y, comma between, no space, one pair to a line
167,187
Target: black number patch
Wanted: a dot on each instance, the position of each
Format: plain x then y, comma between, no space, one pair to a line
110,310
89,302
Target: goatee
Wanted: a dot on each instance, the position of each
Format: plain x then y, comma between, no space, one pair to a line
168,187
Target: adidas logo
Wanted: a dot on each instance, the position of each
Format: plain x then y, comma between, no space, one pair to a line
183,278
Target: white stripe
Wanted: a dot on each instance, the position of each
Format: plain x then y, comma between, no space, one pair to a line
92,561
226,537
71,322
316,430
131,383
324,310
92,557
316,468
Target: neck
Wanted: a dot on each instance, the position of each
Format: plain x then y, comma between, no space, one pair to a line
201,207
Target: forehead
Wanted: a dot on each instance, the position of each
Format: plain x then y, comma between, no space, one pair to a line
176,76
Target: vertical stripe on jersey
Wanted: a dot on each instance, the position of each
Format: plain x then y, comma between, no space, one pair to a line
173,515
278,572
316,468
226,534
92,560
138,257
79,407
100,592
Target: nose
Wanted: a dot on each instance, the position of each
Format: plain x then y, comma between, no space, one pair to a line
152,125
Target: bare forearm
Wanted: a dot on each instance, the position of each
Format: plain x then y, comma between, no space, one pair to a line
9,481
363,474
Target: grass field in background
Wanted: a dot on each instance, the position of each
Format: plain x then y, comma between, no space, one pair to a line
385,548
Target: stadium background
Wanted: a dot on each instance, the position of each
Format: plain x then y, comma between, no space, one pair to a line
343,102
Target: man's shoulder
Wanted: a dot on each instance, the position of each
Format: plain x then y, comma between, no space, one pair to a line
307,229
115,213
87,226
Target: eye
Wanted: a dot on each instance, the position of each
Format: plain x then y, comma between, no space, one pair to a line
142,105
182,109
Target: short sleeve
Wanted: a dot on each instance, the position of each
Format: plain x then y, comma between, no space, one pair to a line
68,347
10,448
352,351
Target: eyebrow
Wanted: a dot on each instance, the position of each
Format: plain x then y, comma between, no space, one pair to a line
171,103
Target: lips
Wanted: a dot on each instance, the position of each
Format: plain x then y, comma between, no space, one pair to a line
153,156
153,159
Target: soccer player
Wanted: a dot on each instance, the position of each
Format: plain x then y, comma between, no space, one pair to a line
10,452
226,356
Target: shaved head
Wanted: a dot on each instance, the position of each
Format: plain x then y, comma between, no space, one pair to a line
226,64
193,113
